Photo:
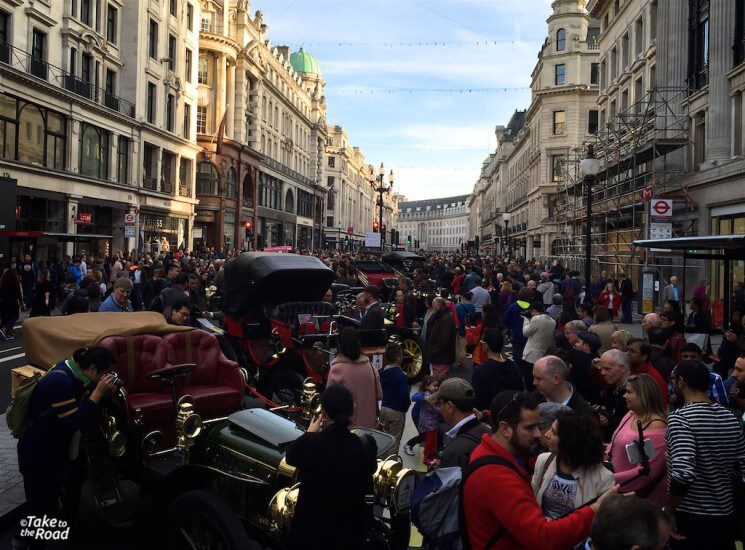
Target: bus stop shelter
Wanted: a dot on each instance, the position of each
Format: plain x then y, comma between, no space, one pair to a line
719,248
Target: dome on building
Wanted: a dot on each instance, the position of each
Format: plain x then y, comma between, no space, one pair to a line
303,62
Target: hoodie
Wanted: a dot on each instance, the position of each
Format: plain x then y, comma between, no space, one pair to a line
493,377
395,389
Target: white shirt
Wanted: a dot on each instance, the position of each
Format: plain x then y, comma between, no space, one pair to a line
479,298
83,268
452,432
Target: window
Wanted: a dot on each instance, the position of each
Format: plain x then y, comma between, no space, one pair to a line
698,44
639,36
594,73
170,112
188,57
329,221
151,93
559,122
207,179
332,162
638,94
39,54
304,204
86,68
189,17
171,52
625,51
561,40
230,187
94,152
85,11
110,84
330,181
4,31
206,25
153,37
592,122
613,65
122,160
111,18
202,74
560,74
289,202
699,139
269,191
201,119
173,7
187,121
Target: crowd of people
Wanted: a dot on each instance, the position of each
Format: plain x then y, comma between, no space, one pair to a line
562,409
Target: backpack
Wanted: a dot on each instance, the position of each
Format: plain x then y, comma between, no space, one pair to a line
17,414
436,505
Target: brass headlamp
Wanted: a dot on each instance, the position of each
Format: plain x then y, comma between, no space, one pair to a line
279,347
117,441
394,484
281,509
310,400
188,423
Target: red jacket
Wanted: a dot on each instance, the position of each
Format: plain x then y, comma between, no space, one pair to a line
674,343
604,300
495,497
651,371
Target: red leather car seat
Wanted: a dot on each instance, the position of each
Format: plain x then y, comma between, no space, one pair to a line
136,357
217,384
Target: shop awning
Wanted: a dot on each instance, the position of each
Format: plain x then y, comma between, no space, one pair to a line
59,236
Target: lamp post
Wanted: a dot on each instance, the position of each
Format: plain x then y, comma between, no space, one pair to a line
589,166
506,217
382,188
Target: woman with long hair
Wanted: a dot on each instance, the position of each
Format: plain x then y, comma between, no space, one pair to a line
572,472
354,371
42,295
11,302
611,299
335,469
645,405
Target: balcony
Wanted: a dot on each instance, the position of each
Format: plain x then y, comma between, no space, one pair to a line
248,202
166,187
184,191
23,61
281,168
149,182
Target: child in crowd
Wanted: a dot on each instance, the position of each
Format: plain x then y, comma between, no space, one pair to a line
428,418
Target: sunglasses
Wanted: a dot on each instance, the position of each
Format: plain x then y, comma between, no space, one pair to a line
518,398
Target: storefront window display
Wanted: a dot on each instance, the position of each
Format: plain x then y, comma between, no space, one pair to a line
727,224
304,234
289,239
272,232
163,233
228,224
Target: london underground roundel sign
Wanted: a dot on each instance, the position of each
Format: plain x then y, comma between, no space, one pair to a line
661,208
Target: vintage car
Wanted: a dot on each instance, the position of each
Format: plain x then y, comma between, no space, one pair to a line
279,328
210,470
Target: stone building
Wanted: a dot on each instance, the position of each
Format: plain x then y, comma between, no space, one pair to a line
563,113
96,130
261,122
440,225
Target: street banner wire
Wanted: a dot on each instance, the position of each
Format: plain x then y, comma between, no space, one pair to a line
424,90
420,44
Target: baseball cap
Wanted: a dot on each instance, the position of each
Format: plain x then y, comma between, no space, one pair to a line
454,389
591,340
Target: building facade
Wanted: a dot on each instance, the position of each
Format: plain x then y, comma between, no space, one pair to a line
261,121
94,159
563,113
440,225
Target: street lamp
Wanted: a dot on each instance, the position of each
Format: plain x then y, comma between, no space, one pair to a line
506,217
589,166
382,188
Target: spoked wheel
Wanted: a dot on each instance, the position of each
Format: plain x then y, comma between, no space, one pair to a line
413,360
200,520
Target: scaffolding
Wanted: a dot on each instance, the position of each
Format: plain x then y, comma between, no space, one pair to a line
640,154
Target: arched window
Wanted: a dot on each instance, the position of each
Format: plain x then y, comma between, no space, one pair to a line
31,135
290,201
561,40
248,190
94,152
207,179
230,184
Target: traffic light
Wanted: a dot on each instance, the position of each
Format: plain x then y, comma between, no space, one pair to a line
248,225
408,240
375,227
382,228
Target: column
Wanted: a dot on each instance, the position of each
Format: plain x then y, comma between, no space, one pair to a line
73,146
220,90
158,167
130,243
113,155
177,175
72,213
230,101
719,129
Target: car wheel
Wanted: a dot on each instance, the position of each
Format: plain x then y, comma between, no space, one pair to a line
413,360
200,519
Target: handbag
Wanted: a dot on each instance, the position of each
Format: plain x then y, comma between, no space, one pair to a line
473,334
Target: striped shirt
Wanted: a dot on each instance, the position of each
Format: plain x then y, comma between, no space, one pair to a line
706,450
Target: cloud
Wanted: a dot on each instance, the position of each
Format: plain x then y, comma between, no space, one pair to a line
425,183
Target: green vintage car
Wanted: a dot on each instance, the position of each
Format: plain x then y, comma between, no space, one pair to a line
211,470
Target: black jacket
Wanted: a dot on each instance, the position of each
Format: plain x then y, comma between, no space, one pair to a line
440,342
493,377
410,309
335,473
374,318
458,451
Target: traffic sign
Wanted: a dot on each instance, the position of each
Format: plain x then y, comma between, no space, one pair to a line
129,219
661,208
647,194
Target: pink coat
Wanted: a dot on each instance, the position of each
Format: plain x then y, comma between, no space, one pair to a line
361,378
624,470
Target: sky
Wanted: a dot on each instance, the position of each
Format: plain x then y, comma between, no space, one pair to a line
435,142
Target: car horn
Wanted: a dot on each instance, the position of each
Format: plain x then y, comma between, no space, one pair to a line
281,509
310,400
276,341
117,441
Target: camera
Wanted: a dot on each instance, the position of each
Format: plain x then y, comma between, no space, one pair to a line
118,382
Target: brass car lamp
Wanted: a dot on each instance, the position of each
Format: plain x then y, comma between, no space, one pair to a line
279,347
310,400
117,441
394,483
188,422
281,509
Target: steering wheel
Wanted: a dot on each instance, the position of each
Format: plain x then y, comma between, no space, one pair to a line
171,371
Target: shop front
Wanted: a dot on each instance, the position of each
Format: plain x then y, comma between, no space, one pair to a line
305,237
228,231
162,232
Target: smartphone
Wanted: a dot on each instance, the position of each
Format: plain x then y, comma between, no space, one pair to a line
632,451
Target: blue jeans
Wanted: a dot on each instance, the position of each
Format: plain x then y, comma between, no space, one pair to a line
626,310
